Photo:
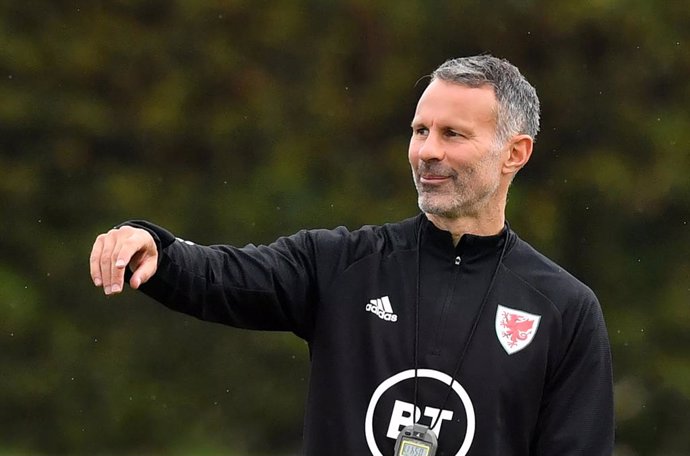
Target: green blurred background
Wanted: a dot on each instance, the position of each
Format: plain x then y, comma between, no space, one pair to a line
238,121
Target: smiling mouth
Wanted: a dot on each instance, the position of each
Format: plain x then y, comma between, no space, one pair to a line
433,179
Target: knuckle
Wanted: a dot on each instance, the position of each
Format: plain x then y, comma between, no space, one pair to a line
130,239
105,257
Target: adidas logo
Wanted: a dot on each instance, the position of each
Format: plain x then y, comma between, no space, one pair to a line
382,308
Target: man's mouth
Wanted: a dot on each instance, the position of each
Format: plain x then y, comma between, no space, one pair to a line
432,179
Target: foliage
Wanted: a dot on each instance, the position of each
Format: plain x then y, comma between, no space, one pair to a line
236,121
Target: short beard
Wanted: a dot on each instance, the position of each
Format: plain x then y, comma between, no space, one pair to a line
455,207
464,199
451,211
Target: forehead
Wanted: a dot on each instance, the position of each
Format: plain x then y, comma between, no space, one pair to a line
447,101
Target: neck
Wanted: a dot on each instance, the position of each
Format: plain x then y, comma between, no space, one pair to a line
459,226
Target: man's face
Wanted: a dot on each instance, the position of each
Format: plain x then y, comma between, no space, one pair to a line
455,162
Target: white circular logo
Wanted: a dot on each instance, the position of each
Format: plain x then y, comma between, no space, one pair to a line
421,373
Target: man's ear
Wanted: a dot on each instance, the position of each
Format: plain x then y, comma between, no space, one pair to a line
520,151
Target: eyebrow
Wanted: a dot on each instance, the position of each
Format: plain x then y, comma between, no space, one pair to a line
465,129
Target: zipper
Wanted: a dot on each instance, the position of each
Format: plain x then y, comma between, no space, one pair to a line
449,298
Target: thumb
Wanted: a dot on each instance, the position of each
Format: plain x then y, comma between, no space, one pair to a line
143,270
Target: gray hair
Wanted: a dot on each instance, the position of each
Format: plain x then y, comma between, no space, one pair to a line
518,104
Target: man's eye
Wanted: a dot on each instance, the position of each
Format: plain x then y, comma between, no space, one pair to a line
422,131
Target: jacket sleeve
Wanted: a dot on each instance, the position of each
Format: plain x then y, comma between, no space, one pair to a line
270,287
576,415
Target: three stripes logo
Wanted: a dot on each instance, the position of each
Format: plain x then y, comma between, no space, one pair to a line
382,308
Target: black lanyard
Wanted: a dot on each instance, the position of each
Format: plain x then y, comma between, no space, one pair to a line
472,330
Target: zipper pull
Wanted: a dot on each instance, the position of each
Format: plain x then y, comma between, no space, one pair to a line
458,260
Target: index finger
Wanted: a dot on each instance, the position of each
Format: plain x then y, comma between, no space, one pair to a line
122,255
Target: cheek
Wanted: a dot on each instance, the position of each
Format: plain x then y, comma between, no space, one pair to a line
413,153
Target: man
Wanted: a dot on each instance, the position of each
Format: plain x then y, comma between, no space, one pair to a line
447,319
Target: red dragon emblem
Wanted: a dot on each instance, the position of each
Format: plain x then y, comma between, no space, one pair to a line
515,329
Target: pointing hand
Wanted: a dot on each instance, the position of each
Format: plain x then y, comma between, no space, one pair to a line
116,249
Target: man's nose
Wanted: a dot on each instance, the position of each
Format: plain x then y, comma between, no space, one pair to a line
432,148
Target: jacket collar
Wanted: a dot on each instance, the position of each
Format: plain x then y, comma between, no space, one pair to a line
471,246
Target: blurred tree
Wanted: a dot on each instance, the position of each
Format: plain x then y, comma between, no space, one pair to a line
240,121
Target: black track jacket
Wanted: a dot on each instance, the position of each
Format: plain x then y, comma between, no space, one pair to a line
509,352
